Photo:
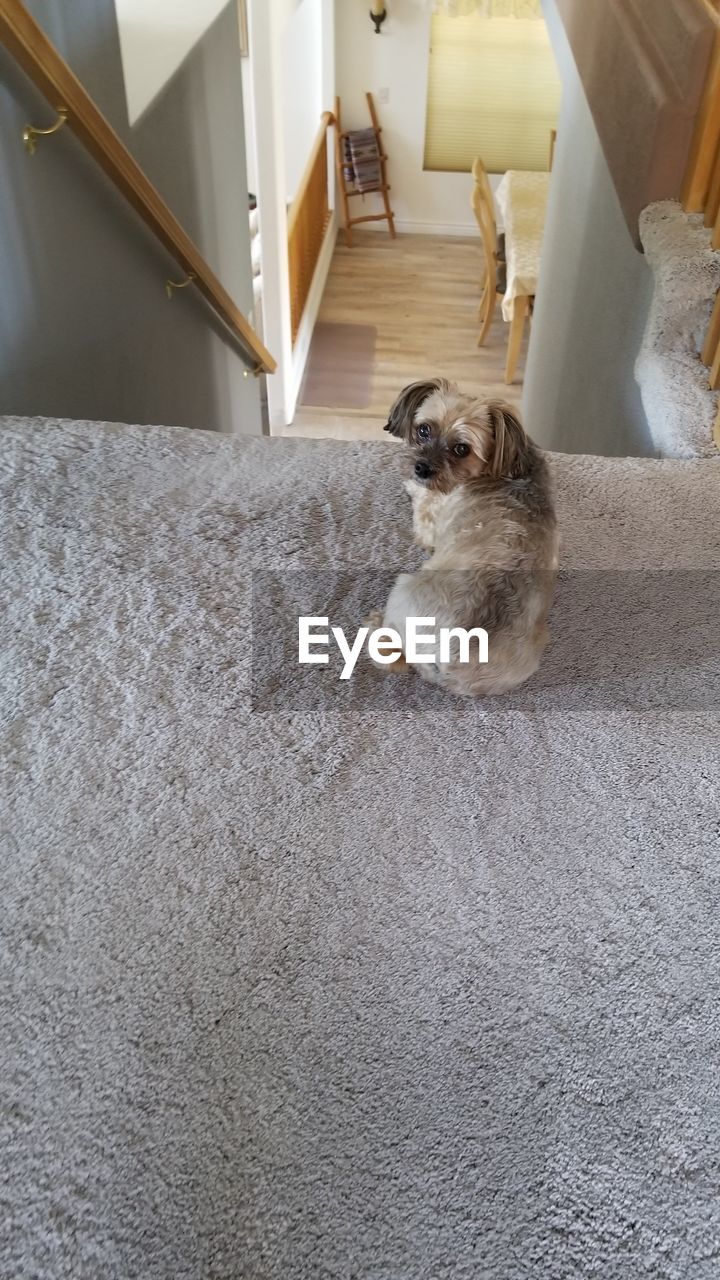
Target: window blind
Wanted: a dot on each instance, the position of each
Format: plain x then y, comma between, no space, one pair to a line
493,92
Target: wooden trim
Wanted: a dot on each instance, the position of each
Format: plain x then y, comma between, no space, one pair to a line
714,374
308,222
703,152
51,75
326,120
715,242
712,203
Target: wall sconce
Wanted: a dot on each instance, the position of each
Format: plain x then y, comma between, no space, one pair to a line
378,14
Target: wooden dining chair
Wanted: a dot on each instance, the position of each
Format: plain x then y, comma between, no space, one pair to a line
481,179
493,282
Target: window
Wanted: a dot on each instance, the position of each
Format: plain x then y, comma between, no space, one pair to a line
493,92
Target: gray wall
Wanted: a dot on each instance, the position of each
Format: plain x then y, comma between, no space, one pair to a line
580,394
86,330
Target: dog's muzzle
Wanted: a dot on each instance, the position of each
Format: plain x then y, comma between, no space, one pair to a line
423,470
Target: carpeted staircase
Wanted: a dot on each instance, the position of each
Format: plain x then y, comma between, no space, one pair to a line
303,983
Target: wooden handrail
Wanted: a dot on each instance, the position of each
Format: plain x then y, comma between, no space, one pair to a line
42,63
326,120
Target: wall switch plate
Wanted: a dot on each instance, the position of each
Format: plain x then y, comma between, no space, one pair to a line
383,96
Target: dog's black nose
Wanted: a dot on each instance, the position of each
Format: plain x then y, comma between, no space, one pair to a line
423,471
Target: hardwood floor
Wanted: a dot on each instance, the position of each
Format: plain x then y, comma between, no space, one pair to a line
422,294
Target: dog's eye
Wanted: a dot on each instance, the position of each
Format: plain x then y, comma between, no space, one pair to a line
461,450
423,431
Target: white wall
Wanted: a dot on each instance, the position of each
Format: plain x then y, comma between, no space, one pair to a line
397,60
272,23
302,88
249,123
299,37
580,394
155,38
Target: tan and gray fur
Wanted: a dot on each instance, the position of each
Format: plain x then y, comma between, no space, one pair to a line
482,502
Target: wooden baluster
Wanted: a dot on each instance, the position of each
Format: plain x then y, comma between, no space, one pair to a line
704,150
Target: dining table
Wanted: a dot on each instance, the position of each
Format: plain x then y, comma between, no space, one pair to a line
521,199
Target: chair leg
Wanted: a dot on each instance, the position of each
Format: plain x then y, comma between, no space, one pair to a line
487,311
483,286
517,325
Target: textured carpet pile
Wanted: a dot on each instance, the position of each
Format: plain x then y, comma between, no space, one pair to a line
392,988
679,405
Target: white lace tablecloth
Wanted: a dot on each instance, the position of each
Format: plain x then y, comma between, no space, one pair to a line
522,201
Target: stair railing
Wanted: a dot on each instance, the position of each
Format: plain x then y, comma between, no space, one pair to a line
78,113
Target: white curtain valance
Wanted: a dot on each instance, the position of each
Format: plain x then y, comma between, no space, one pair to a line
487,8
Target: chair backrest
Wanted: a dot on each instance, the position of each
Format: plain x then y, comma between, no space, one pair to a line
485,215
479,173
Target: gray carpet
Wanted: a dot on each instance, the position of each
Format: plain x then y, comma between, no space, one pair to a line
401,988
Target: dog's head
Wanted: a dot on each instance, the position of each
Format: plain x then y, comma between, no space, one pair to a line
458,438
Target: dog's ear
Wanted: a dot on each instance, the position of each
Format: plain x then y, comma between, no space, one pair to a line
513,450
402,415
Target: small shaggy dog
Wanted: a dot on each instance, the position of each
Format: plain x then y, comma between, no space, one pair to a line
482,503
